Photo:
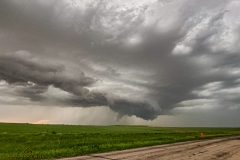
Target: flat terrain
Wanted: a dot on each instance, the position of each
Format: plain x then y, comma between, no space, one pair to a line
31,141
227,148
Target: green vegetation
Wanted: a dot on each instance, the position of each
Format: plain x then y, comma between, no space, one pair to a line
55,141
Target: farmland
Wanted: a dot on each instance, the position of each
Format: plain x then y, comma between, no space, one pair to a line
31,141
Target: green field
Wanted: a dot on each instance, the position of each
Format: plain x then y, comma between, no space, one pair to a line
23,141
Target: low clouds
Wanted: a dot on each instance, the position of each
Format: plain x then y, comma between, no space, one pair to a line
31,77
143,59
21,68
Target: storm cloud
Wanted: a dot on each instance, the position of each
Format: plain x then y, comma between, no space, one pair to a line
139,58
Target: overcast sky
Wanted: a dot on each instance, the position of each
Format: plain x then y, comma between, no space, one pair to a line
101,62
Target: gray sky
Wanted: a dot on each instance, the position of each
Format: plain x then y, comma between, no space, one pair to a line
158,62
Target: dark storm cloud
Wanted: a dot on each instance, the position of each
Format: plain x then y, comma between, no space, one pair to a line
139,109
33,92
92,99
20,68
143,60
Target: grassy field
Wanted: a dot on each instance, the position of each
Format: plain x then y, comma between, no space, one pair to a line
30,141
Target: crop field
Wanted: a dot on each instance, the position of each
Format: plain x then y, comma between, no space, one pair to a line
37,141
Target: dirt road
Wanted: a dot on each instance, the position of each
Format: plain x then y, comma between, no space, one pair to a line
227,148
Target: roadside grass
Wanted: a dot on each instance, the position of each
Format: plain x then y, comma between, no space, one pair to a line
29,141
